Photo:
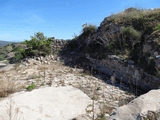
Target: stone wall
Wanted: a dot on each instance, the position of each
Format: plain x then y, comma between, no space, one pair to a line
58,45
126,73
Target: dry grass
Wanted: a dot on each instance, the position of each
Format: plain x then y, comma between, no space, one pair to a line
133,14
7,85
9,81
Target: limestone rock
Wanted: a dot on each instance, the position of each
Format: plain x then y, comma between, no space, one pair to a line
139,108
62,103
3,64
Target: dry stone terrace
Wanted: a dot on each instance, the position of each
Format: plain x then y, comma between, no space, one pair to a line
50,72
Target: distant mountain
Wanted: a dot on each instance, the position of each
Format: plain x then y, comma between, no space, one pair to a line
3,43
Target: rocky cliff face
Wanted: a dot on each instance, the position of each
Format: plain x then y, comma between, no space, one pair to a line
126,44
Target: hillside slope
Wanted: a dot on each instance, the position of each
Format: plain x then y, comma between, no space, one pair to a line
127,44
132,34
3,43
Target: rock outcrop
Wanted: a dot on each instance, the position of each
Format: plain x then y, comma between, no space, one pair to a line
126,44
145,107
62,103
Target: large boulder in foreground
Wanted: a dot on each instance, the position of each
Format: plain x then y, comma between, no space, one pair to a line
145,107
61,103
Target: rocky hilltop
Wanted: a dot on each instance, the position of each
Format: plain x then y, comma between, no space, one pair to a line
126,44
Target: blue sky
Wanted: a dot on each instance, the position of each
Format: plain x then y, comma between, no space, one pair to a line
19,19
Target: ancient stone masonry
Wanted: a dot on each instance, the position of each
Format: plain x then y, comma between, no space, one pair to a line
57,45
128,74
124,70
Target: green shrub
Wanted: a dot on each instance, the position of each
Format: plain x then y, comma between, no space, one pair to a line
126,45
89,30
42,84
98,88
131,33
18,56
2,57
31,87
83,75
131,9
38,45
158,27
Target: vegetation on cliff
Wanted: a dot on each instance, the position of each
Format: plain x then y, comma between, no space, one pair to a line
133,34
